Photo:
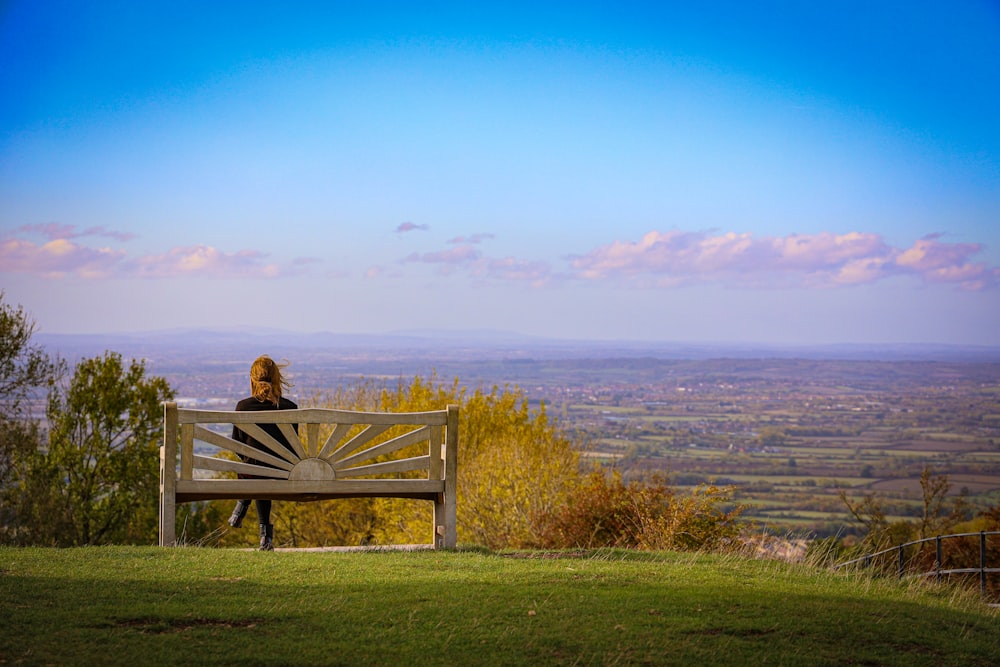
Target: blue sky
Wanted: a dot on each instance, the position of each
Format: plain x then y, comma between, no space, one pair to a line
780,172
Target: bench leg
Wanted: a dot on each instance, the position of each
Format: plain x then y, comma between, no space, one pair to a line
437,534
450,525
445,528
168,518
168,507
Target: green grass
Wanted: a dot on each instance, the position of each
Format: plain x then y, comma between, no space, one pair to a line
146,605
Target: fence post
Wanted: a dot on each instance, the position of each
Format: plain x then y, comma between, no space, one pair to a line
937,565
982,563
901,560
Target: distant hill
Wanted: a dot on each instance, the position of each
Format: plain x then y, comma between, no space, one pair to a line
479,344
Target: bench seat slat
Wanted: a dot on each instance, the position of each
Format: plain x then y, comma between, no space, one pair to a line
220,489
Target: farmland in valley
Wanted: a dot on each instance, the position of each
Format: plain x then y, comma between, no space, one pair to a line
788,432
789,435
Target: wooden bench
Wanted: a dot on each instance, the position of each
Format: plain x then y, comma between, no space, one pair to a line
338,454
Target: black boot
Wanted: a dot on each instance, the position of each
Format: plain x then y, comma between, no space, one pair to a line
240,511
266,537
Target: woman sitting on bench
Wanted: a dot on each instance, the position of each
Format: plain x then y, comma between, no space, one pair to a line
266,385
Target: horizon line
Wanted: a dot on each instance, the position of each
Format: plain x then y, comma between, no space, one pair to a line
495,336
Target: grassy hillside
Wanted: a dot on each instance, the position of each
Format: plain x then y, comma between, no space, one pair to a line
145,605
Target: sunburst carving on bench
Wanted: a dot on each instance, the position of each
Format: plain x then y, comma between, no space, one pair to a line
336,458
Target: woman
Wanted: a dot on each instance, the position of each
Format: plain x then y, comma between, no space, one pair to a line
266,386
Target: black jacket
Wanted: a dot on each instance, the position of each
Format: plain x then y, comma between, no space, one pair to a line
251,404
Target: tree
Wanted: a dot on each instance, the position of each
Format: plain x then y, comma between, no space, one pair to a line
934,517
516,469
23,367
869,512
25,371
772,436
20,440
938,515
97,482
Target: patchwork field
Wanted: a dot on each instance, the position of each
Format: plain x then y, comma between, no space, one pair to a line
789,435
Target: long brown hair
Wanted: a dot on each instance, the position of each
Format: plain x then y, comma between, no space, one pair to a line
266,382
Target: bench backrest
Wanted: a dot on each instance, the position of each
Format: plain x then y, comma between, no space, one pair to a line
334,453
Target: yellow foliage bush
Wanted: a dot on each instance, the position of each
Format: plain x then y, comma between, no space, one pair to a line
514,467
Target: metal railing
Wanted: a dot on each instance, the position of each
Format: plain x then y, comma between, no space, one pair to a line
939,572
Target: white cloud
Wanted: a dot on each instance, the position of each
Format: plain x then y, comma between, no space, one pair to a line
54,231
64,257
660,260
58,258
473,239
411,227
447,260
666,259
206,261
